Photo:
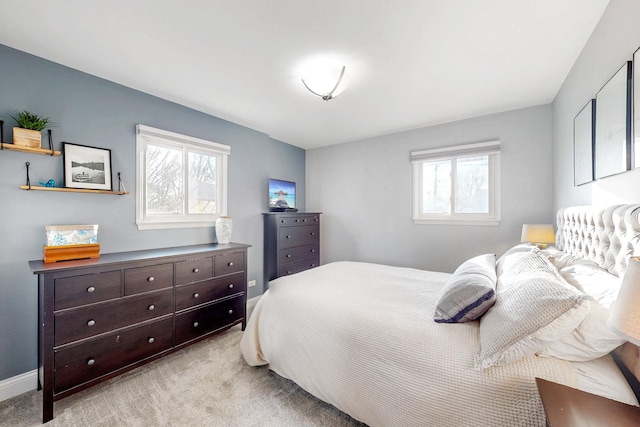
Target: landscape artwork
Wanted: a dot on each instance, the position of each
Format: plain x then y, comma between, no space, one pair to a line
87,167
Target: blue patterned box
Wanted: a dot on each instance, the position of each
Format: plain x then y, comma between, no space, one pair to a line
63,235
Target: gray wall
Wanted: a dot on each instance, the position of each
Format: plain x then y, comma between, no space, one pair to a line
91,111
364,190
613,42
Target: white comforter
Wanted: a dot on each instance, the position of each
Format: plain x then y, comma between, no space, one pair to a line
362,337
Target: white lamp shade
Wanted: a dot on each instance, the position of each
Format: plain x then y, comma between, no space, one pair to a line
538,233
624,316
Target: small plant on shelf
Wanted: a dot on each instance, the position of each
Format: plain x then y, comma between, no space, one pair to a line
28,132
27,120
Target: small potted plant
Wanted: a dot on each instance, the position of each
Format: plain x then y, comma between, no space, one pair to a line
28,133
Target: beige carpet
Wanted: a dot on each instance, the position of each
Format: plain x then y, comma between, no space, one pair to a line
207,384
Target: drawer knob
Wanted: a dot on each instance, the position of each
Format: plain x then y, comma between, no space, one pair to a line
195,270
313,234
230,285
283,221
313,265
90,361
196,295
230,264
91,289
151,340
288,237
151,279
288,255
195,324
91,322
152,307
230,311
313,250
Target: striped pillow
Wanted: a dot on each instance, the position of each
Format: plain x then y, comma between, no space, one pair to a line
470,291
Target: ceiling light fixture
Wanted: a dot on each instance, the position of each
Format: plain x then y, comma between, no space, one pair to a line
326,83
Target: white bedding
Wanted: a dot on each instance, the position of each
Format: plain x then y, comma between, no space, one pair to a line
362,337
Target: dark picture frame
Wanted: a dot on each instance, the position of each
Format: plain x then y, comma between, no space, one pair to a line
86,167
636,108
584,132
613,150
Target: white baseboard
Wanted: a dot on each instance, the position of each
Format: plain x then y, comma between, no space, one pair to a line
15,386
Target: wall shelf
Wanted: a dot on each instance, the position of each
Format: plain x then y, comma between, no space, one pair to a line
70,190
13,147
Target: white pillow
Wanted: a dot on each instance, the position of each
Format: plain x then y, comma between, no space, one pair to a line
510,256
592,338
470,291
534,307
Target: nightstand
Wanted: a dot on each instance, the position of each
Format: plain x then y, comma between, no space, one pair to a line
567,407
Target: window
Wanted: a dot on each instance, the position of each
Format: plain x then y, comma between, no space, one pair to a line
181,180
457,185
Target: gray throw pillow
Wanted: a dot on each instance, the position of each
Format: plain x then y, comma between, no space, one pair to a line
470,291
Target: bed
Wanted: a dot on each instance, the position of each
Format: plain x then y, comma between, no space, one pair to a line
394,346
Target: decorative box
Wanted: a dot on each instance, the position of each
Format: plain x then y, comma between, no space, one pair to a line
69,242
63,235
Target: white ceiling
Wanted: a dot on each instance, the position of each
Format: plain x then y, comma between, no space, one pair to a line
411,63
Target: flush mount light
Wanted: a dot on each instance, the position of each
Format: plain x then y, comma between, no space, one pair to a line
326,83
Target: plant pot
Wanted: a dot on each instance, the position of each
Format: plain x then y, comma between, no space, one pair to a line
27,137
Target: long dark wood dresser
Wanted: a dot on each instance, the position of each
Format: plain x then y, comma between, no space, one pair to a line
100,318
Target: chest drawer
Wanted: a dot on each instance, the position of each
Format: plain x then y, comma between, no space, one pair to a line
86,289
297,267
298,253
194,270
298,219
148,278
96,319
77,364
195,323
300,235
228,263
210,290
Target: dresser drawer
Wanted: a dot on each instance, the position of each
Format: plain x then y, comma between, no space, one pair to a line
96,319
297,267
228,263
193,270
148,278
77,364
296,236
86,289
298,219
195,323
298,253
210,290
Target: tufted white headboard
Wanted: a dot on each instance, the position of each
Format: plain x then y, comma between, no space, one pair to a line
608,236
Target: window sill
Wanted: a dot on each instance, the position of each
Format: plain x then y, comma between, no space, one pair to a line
487,222
173,225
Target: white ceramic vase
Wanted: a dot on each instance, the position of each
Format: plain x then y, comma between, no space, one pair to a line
224,226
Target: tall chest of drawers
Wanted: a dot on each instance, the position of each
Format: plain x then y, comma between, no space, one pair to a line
100,318
291,243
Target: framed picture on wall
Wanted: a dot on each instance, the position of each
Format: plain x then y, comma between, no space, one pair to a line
583,143
86,167
636,108
613,125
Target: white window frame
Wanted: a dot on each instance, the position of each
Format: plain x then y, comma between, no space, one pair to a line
146,135
490,148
